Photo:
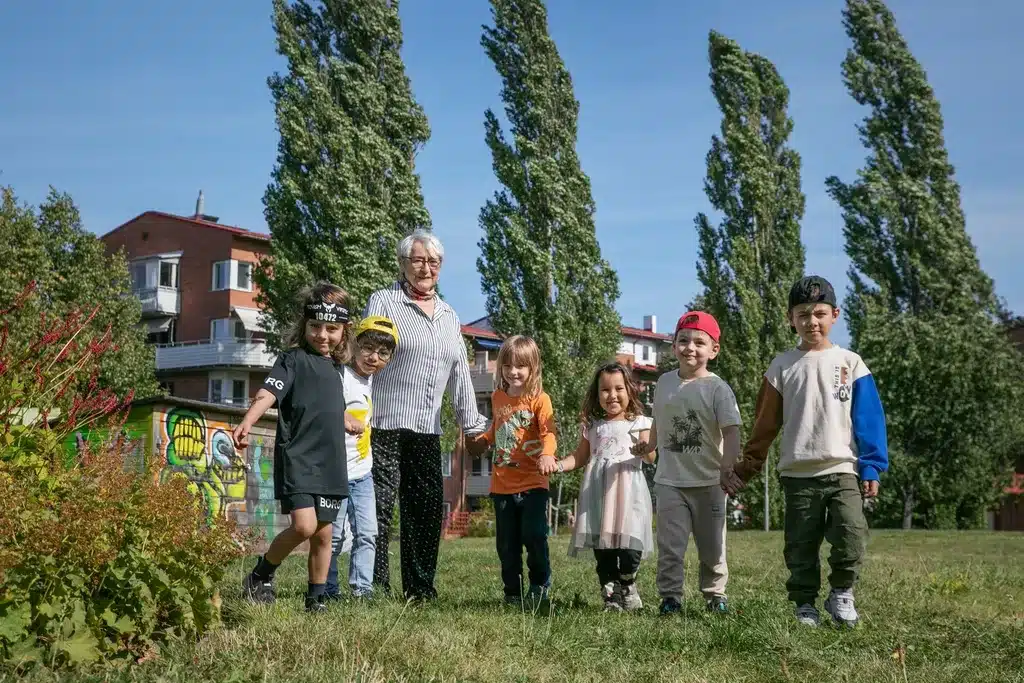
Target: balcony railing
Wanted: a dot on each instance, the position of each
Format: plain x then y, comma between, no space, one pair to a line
478,485
223,353
483,382
159,300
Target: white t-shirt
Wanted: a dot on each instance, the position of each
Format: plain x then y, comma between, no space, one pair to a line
689,415
359,405
817,388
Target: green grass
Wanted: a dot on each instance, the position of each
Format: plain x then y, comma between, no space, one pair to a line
934,607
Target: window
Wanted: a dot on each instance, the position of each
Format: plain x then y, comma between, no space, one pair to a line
138,275
483,406
647,352
221,275
243,280
446,464
481,361
447,511
168,274
220,328
481,467
229,389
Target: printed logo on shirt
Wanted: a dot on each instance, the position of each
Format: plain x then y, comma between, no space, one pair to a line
506,439
687,433
841,389
330,503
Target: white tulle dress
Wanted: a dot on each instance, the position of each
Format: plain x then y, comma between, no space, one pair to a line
614,507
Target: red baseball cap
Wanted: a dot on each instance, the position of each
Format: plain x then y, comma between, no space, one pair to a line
699,320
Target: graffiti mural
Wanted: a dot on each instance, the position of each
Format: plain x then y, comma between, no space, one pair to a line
260,506
202,451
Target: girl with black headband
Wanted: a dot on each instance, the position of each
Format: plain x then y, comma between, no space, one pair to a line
310,477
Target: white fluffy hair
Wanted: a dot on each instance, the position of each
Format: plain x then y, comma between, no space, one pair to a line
424,237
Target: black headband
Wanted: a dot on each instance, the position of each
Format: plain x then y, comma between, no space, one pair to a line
327,312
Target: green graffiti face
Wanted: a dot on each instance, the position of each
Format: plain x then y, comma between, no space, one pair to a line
186,439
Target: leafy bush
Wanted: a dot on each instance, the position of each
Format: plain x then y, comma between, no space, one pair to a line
98,560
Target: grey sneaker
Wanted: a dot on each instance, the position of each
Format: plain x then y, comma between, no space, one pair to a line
718,604
840,606
631,601
257,590
807,615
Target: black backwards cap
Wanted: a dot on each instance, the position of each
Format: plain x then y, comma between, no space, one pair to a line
812,290
327,312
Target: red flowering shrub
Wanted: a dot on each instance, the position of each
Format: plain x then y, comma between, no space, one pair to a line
98,560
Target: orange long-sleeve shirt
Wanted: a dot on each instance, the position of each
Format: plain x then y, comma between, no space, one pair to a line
522,431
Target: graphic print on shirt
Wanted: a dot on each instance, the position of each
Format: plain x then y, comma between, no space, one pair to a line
686,433
842,390
506,437
361,413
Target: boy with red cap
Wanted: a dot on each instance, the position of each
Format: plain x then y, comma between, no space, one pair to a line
824,401
697,433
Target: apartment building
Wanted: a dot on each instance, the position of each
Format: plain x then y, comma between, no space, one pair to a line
194,278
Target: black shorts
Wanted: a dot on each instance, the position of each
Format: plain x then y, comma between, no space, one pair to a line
327,507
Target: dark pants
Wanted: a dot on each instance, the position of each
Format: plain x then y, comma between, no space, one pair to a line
407,465
520,519
819,508
617,565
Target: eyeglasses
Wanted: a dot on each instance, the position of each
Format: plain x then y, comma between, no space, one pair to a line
419,261
383,354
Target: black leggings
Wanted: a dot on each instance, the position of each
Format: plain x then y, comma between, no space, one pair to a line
617,565
407,466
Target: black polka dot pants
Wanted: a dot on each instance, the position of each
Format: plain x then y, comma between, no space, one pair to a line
407,466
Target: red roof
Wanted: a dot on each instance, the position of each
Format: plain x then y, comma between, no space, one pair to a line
471,331
645,334
241,232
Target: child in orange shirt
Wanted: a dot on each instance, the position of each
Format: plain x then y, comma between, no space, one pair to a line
522,435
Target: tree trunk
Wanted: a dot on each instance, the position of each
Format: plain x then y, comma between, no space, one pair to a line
908,507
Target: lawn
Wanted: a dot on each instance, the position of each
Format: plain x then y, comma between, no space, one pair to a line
934,606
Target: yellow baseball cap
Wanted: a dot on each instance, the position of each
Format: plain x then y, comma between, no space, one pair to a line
377,323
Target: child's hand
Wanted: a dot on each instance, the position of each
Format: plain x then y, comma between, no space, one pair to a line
641,448
547,465
476,446
240,435
731,482
869,488
353,426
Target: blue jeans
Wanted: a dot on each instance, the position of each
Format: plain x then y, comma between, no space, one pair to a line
360,508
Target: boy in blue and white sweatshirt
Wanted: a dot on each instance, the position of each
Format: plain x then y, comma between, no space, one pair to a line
824,400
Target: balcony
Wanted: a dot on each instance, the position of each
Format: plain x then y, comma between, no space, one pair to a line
478,484
483,381
158,301
218,353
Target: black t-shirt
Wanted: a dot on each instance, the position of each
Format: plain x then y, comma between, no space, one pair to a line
309,451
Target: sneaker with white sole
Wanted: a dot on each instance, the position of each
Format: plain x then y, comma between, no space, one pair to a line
840,606
611,593
258,591
807,615
631,601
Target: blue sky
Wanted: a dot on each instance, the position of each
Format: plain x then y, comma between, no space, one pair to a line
133,106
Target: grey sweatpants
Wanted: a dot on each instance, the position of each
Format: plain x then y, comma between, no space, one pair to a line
700,511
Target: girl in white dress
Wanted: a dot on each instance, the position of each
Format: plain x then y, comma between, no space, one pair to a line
614,511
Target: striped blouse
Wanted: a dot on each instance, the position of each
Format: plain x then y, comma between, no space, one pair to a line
431,357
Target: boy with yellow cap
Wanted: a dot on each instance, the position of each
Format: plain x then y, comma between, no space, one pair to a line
376,338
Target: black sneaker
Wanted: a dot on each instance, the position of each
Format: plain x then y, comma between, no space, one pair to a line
257,590
538,601
514,601
718,604
670,606
317,605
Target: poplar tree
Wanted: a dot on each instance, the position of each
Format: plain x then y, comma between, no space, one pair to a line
752,257
541,266
921,310
344,190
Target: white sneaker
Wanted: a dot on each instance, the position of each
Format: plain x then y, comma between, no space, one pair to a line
807,615
840,606
631,598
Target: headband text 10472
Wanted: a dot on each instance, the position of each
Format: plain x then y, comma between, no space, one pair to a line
327,312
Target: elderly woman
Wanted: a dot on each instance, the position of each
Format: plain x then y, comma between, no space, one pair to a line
406,422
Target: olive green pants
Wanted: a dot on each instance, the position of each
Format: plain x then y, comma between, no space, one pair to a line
819,508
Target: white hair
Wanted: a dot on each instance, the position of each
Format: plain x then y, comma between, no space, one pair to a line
424,237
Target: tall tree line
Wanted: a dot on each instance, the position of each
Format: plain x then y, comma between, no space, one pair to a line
541,265
344,189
